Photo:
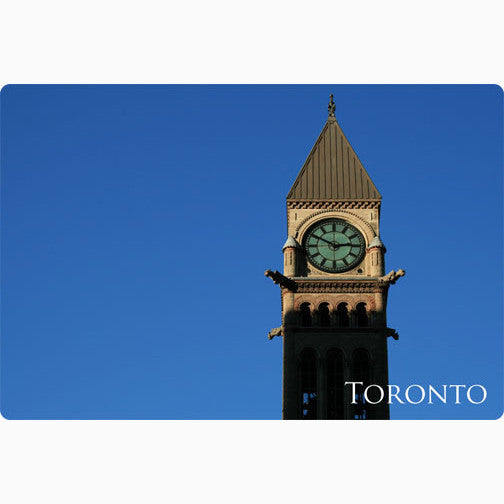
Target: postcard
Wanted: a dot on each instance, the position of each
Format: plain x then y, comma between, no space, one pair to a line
297,252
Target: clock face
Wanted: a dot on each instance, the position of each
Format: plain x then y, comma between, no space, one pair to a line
334,245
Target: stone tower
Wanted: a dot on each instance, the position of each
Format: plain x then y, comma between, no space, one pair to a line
334,288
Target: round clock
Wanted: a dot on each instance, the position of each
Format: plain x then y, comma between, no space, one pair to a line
334,245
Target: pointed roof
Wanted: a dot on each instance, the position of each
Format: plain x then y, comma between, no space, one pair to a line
332,170
291,242
376,242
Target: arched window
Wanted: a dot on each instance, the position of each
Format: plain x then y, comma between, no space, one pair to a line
342,312
360,373
361,312
335,385
308,381
324,315
305,314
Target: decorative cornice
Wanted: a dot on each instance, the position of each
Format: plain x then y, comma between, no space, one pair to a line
333,205
377,330
309,285
344,286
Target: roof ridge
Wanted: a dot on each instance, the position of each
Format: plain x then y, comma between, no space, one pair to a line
358,159
335,173
307,158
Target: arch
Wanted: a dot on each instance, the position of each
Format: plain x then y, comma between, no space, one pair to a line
324,314
343,315
363,226
335,384
323,298
369,301
308,391
305,317
361,371
361,315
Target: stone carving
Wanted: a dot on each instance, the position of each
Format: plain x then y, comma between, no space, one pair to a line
281,280
352,286
392,332
393,276
359,220
373,204
277,331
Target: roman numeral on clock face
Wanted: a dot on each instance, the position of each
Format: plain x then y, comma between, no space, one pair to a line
333,245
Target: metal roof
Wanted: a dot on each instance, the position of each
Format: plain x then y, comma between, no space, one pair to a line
291,242
333,171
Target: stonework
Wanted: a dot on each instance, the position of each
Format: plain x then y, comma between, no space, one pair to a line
334,323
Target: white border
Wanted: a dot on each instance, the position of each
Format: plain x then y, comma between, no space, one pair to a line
233,42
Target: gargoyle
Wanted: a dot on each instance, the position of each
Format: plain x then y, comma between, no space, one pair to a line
393,333
393,276
280,279
277,331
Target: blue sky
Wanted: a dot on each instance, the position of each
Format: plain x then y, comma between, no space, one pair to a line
137,222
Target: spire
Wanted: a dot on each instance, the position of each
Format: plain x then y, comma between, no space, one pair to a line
332,170
332,106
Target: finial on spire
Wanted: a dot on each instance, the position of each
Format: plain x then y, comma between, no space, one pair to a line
331,107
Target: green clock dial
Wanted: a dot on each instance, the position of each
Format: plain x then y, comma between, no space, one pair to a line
334,245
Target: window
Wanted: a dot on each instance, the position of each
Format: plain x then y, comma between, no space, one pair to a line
360,373
308,380
335,385
324,315
362,318
305,315
342,312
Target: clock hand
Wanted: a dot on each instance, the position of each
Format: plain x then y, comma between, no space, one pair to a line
336,244
323,239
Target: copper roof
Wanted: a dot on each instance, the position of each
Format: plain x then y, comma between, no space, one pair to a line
333,171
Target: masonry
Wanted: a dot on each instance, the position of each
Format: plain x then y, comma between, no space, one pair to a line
333,287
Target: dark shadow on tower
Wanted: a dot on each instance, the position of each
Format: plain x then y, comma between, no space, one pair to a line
334,288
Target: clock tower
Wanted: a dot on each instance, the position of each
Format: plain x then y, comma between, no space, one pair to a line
334,288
